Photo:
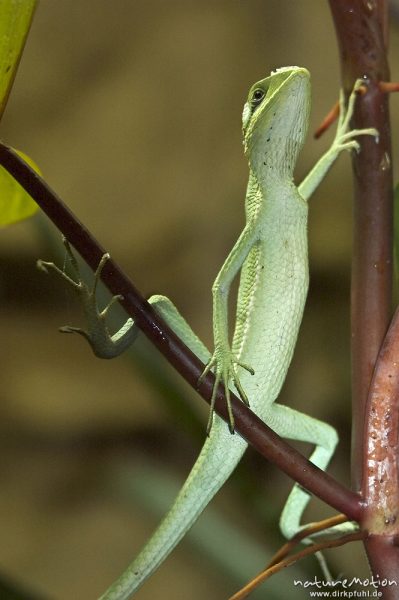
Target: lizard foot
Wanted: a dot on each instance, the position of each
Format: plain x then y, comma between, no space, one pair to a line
344,137
225,371
102,343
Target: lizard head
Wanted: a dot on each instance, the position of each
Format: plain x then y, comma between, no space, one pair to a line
275,119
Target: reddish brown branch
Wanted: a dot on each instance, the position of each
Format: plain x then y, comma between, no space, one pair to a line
328,120
259,435
363,55
383,553
361,32
381,483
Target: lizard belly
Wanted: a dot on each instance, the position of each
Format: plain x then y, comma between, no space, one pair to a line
269,313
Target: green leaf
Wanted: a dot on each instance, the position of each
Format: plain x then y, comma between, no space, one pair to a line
15,20
15,203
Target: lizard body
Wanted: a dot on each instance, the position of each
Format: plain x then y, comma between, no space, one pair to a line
271,254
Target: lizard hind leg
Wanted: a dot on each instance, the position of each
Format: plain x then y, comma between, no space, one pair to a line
294,425
102,343
291,424
46,266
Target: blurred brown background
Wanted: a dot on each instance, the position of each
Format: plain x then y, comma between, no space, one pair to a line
132,110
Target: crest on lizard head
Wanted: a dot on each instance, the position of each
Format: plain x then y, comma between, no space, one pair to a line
275,117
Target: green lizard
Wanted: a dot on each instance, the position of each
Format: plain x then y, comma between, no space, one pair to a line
271,254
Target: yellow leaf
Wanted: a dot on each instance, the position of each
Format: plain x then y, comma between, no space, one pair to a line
15,203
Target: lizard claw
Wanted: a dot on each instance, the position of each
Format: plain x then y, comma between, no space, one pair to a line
225,372
344,137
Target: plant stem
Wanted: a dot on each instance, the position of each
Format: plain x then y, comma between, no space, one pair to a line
361,32
381,483
248,425
363,55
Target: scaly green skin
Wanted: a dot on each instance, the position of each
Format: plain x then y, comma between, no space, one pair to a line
271,254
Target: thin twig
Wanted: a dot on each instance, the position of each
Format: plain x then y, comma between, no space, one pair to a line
311,529
264,575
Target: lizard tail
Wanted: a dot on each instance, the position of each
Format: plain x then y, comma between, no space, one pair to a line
217,460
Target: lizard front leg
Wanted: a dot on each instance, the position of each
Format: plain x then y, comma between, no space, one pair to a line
223,362
344,140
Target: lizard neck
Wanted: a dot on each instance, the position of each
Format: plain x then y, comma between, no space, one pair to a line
276,164
273,197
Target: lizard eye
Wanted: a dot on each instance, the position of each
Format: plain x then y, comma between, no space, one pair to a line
257,97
